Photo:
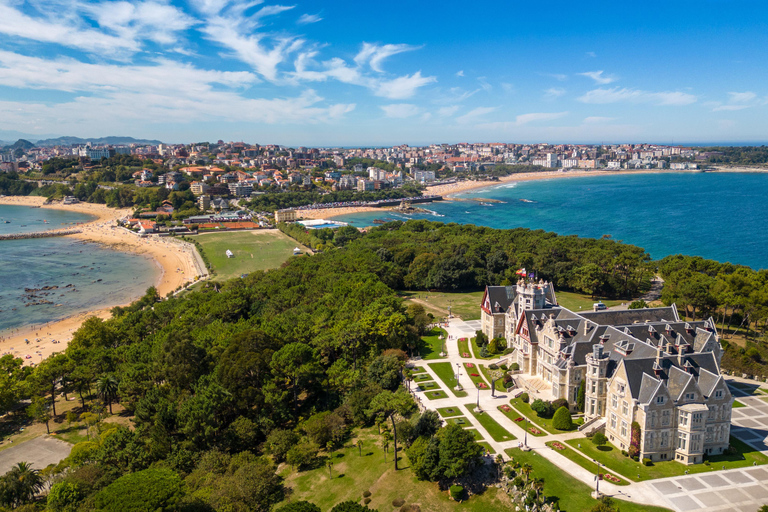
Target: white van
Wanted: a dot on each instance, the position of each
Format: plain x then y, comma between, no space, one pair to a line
599,306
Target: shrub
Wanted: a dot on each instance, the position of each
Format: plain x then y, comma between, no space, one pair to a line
299,506
504,367
560,402
599,439
525,398
638,304
515,367
562,419
647,461
367,500
399,502
634,443
543,408
457,492
624,453
366,494
483,352
493,367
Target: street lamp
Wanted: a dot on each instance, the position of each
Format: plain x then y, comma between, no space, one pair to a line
527,426
478,397
458,369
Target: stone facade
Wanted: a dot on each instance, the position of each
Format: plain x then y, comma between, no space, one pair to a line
645,366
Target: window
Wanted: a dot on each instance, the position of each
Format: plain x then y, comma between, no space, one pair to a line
690,396
613,421
681,441
594,370
614,401
623,429
664,439
719,394
624,407
665,415
697,418
653,419
659,400
683,419
594,387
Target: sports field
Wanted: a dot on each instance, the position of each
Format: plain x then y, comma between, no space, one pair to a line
253,250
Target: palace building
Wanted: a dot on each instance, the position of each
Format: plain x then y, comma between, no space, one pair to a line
640,365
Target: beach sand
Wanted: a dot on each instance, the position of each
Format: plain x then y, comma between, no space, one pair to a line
327,213
176,261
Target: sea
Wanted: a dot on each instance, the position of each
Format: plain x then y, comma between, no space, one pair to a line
719,216
80,276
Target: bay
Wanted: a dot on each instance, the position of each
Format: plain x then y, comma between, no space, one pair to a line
719,216
86,276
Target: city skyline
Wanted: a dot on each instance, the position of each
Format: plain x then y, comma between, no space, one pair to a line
351,75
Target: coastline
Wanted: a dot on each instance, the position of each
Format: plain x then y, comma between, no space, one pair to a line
328,213
175,261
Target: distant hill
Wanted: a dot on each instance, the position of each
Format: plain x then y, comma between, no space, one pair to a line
23,144
69,141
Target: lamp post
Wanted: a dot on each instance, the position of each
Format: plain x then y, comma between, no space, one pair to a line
527,426
458,369
478,397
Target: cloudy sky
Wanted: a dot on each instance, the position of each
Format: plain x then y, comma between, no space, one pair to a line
380,73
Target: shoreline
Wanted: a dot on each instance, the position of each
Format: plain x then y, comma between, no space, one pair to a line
175,262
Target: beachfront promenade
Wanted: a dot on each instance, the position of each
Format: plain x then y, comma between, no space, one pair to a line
742,490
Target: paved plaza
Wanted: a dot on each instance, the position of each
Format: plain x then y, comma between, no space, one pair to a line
736,490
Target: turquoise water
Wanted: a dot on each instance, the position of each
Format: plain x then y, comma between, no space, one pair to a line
99,277
720,216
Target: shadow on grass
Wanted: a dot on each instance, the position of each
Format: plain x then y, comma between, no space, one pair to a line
605,448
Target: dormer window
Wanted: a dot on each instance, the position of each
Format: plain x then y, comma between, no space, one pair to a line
659,400
719,394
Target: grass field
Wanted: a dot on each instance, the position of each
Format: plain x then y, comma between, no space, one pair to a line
418,369
580,302
513,415
436,395
427,386
584,462
477,378
421,377
477,435
445,372
352,475
464,347
572,494
431,345
253,250
625,467
447,412
464,305
496,431
460,421
542,423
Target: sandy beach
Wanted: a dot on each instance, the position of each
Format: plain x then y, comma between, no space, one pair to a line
327,213
175,260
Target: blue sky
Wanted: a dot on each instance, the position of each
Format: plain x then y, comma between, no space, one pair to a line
381,73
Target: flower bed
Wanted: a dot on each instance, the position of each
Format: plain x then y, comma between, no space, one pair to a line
518,419
558,446
469,365
534,431
465,354
473,375
505,408
482,385
611,478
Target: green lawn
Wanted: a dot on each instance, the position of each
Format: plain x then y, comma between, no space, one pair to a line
446,373
584,462
487,447
447,412
476,350
628,468
581,302
525,409
431,345
253,250
737,404
460,421
435,395
422,377
572,494
464,305
464,347
353,475
427,386
514,415
477,378
418,369
496,431
477,435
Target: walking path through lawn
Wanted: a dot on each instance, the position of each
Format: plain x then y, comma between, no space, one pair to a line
736,490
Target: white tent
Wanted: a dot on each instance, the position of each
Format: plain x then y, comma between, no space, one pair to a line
296,250
229,254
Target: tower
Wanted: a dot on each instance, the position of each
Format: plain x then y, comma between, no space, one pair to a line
596,386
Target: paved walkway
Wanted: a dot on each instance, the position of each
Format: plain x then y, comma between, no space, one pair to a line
39,452
738,490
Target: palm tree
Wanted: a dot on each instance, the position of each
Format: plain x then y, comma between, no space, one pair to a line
526,470
537,485
107,388
21,484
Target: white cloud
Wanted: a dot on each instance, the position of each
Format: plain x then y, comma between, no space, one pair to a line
484,85
729,108
460,72
306,19
741,97
597,120
474,114
553,93
165,91
447,111
538,116
374,54
403,87
617,95
508,88
591,54
142,20
598,77
400,110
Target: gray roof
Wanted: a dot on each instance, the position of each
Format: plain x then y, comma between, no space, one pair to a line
500,297
632,316
702,367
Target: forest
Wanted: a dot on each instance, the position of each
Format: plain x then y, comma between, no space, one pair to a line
292,199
